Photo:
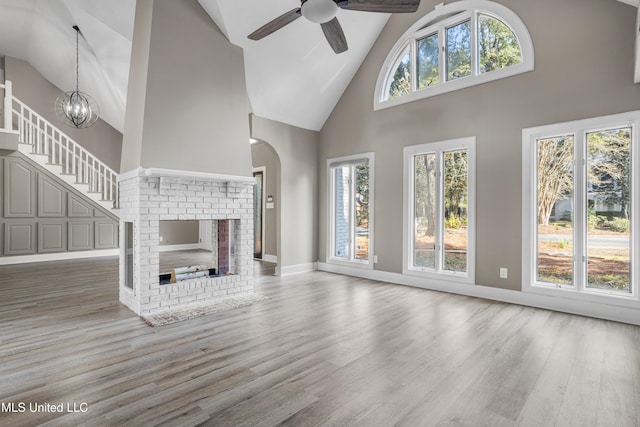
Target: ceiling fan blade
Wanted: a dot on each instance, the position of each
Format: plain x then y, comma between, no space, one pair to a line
276,24
384,6
335,36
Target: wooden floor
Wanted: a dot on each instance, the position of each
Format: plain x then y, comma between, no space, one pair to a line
323,350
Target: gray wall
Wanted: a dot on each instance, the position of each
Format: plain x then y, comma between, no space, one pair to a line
30,87
40,214
187,103
584,68
179,232
297,241
264,155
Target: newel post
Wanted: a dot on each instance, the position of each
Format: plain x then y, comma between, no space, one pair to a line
8,105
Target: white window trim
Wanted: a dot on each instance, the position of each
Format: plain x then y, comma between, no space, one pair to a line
263,169
529,217
468,143
415,31
331,259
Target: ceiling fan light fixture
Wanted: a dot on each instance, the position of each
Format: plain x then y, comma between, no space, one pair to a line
319,11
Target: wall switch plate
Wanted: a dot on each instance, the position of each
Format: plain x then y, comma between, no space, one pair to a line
504,273
375,259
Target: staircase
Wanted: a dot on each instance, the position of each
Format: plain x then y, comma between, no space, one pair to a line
45,144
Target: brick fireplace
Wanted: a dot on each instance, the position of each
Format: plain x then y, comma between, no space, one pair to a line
148,196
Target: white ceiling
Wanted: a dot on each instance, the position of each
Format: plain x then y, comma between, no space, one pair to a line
40,32
292,76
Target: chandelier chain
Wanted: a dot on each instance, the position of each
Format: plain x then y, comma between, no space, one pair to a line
77,60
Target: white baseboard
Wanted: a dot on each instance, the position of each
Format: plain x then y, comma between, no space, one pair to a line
185,247
270,258
565,305
296,269
60,256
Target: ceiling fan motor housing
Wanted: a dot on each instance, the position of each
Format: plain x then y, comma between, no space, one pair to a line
319,11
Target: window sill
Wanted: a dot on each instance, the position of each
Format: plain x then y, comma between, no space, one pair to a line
366,265
449,276
453,85
593,296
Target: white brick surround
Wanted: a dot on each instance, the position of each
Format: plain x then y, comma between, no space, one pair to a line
148,196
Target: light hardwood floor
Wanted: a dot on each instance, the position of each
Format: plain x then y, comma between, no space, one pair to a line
323,350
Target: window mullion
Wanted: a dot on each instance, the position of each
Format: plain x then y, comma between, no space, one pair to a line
440,209
332,210
442,65
475,59
580,212
413,53
352,222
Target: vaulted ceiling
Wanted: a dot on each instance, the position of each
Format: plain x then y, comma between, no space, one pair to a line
292,75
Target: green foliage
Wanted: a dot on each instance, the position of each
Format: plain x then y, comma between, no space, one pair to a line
592,219
362,194
425,191
609,166
459,50
619,225
401,84
498,46
612,281
455,181
454,221
428,60
455,262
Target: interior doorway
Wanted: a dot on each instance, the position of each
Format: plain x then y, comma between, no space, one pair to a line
258,209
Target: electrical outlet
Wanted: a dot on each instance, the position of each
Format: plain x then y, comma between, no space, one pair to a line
161,239
504,273
375,259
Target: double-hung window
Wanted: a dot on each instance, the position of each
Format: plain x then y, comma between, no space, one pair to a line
581,209
439,203
351,210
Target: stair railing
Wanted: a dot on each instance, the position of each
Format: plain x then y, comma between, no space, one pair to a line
61,150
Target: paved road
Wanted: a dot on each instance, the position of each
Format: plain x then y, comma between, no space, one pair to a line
594,241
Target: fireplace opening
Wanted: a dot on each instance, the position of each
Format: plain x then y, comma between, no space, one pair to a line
197,249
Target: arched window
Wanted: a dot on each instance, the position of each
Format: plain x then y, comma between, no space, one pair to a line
457,45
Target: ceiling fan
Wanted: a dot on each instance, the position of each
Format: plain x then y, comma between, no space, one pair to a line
324,12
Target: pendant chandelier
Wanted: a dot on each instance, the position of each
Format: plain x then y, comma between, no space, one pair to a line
78,108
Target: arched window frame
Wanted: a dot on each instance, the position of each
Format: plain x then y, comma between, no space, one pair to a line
444,16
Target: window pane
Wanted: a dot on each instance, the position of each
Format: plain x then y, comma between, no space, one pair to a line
555,210
459,50
424,236
362,211
401,80
455,210
608,210
428,61
498,47
342,205
128,266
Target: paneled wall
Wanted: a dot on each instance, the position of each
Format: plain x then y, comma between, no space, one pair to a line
41,214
